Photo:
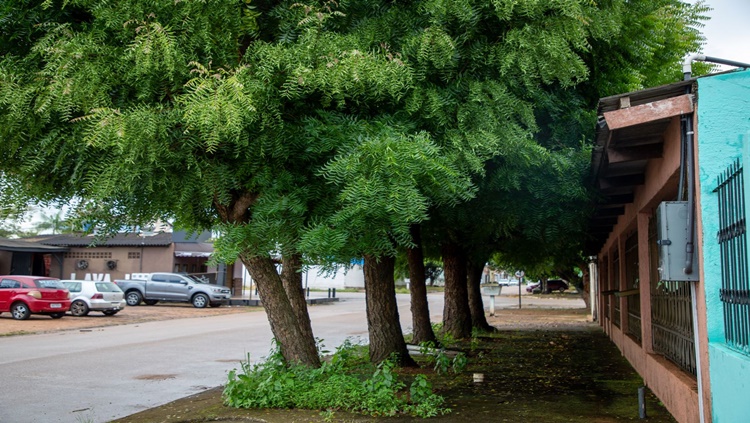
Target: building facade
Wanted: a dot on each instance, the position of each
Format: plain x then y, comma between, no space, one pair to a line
688,335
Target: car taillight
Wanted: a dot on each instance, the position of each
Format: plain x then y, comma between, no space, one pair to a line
35,294
97,296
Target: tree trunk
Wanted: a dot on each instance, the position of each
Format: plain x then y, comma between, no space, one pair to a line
297,347
292,280
420,311
476,306
456,314
383,322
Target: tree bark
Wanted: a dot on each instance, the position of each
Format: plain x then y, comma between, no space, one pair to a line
383,324
297,347
476,306
456,314
420,311
292,280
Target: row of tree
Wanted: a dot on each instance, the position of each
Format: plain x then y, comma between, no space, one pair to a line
327,131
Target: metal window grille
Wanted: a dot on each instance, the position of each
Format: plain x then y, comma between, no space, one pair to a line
631,279
604,276
615,285
735,287
671,313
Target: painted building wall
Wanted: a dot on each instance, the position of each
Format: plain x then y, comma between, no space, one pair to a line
723,133
670,384
128,260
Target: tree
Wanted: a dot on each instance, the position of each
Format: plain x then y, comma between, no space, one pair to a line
54,222
193,111
420,311
314,130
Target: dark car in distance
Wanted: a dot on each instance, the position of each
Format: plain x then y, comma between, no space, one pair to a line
552,285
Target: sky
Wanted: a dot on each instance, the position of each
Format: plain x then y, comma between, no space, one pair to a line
728,33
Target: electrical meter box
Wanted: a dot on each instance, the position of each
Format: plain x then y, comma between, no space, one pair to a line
672,239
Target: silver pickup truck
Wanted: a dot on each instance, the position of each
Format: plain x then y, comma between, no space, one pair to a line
174,287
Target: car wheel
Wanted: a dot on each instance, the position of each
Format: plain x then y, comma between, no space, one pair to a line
110,312
200,300
79,308
20,311
562,289
57,315
133,298
150,302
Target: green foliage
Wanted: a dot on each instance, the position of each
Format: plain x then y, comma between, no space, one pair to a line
337,385
441,361
344,123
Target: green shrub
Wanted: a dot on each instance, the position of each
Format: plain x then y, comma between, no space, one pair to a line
341,383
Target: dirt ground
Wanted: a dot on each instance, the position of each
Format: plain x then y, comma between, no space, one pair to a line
163,311
543,365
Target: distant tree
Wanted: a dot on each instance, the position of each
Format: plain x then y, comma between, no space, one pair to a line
53,222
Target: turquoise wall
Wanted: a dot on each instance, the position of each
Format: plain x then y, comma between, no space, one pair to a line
723,130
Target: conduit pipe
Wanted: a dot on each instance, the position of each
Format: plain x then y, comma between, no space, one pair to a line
687,65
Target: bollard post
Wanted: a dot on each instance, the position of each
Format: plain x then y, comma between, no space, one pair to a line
642,402
492,305
308,292
334,292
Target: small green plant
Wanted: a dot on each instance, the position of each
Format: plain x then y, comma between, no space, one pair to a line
327,415
459,363
425,403
442,362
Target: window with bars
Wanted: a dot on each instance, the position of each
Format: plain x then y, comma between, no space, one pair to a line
616,286
732,239
604,277
632,299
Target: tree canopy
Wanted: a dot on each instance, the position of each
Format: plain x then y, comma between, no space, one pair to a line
323,129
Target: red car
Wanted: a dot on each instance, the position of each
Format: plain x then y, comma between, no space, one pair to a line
24,295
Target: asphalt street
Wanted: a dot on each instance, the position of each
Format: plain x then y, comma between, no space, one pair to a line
97,375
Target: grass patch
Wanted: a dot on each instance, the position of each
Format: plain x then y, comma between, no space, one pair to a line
16,333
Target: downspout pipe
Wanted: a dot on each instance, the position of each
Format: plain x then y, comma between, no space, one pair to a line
687,65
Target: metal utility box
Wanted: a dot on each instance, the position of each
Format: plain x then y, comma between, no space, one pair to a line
672,238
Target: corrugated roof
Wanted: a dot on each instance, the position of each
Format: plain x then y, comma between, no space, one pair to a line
18,245
616,182
162,239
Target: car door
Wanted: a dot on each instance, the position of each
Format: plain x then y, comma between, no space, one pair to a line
7,290
179,288
159,287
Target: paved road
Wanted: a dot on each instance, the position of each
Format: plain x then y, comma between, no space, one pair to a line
107,373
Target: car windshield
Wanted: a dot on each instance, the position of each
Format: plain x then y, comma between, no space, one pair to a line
107,287
49,283
198,278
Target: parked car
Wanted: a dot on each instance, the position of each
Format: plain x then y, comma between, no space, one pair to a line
173,287
94,296
23,296
552,285
556,285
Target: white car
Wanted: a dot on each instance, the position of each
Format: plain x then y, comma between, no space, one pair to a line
94,296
